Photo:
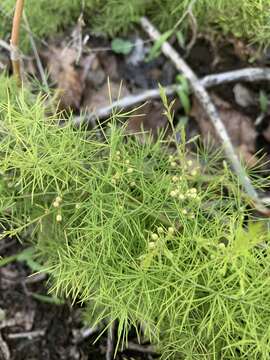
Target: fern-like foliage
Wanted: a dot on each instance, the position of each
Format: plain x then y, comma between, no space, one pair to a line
138,235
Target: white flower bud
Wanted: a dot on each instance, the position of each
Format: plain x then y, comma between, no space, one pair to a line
151,245
160,230
171,230
59,218
56,204
154,236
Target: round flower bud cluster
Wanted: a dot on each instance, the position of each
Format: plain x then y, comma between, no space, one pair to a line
116,177
57,202
172,161
161,233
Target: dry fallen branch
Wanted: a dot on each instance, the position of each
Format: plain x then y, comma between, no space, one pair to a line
4,350
248,75
30,335
14,42
207,104
110,342
4,45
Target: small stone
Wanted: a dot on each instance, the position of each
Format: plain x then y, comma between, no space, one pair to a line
194,172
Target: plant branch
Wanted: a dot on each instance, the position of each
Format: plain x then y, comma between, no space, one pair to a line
248,75
14,42
208,106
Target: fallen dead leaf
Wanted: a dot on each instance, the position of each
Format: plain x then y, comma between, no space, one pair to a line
109,66
240,127
101,98
65,75
148,121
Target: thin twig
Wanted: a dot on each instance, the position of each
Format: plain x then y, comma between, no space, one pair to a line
27,335
208,106
4,45
82,334
35,278
4,350
36,54
14,42
145,349
248,75
110,342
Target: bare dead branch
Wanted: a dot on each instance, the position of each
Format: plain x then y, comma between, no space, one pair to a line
248,75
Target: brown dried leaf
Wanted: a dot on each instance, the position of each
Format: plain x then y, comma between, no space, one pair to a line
61,65
149,119
109,66
101,98
239,126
